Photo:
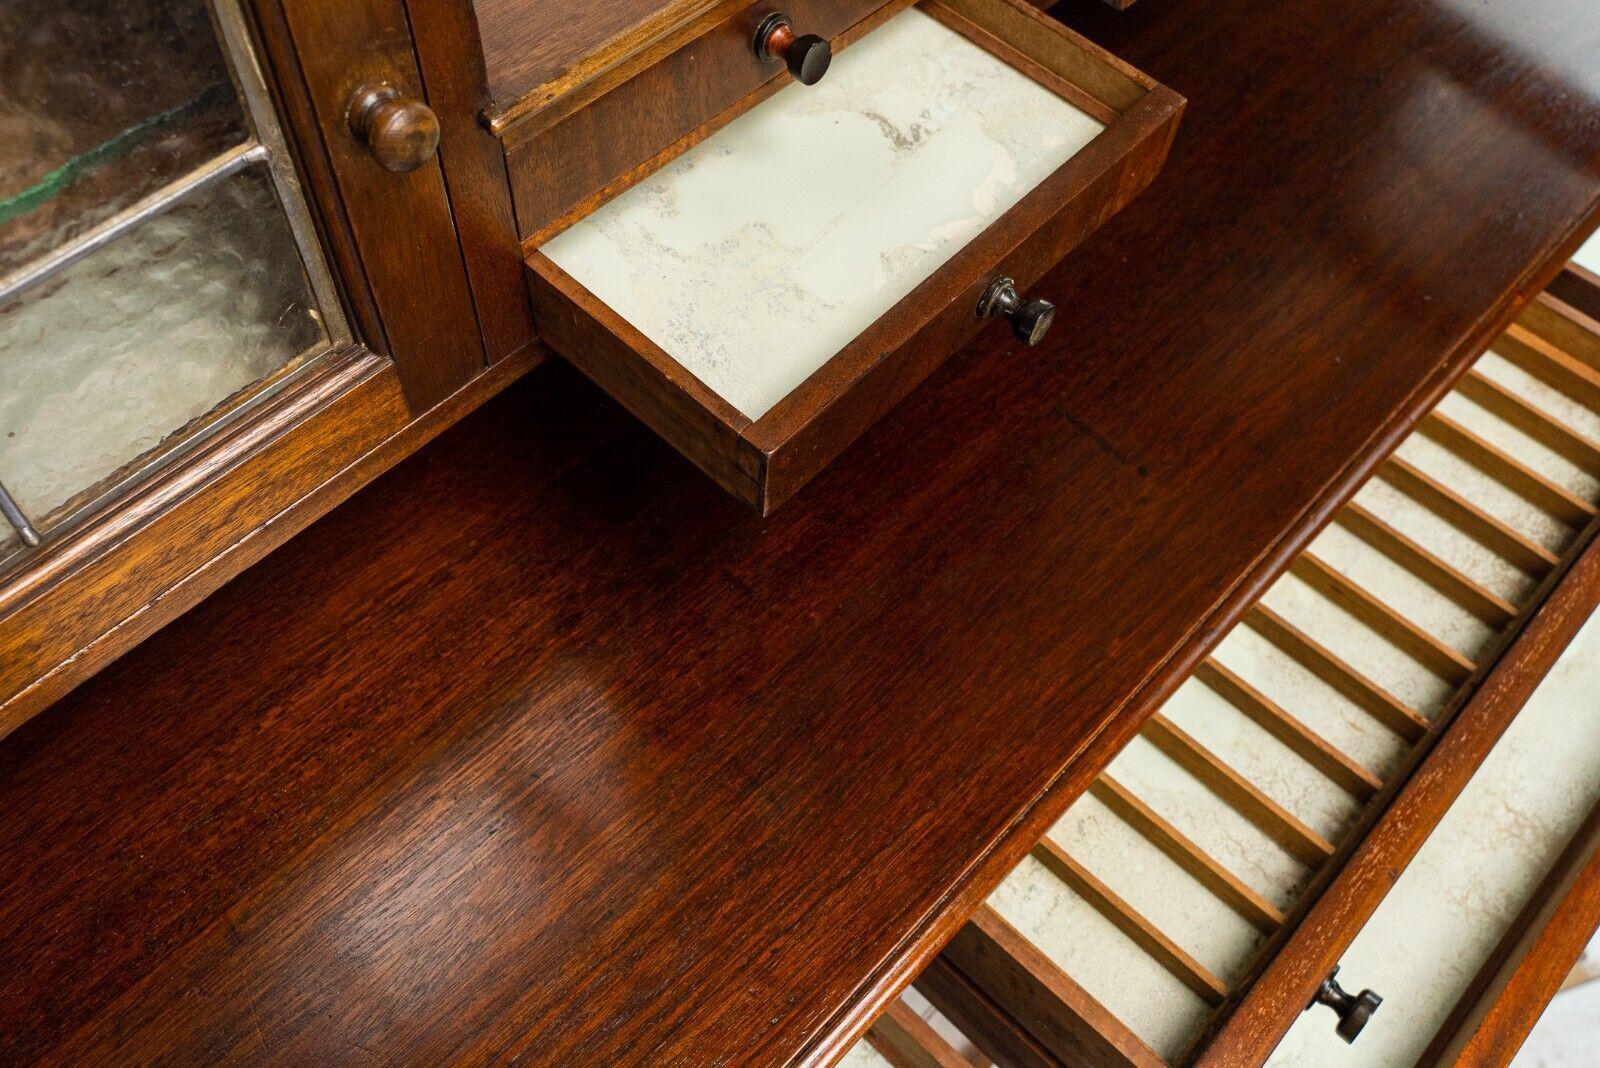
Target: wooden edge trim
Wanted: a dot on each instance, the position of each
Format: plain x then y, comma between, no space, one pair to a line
1535,422
1570,329
987,1026
1260,1017
616,60
1205,869
1381,619
1147,125
1346,680
1467,517
1121,722
1506,470
1576,292
1287,729
1060,1014
1488,607
1238,793
1118,84
113,636
1550,365
1505,999
906,1040
1131,922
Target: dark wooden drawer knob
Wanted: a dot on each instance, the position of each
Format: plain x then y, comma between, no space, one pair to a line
401,132
807,56
1353,1010
1030,319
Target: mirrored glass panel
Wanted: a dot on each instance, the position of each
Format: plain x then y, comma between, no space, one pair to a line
157,270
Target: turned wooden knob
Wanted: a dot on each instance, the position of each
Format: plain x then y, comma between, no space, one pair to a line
807,56
1353,1010
1030,319
401,132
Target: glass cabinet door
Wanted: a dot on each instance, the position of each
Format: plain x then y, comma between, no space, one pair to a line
158,269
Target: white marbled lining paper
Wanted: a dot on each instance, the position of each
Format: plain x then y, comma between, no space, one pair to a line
760,253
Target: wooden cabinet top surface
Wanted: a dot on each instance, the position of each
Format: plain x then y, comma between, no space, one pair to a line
544,746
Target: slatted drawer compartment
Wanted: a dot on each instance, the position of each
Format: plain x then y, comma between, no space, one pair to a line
1187,908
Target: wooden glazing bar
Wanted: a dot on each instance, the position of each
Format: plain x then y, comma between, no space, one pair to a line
1507,470
1171,956
1305,743
1551,365
1390,625
1275,821
1537,424
1228,888
1576,292
1489,608
1031,988
1346,680
906,1040
1467,517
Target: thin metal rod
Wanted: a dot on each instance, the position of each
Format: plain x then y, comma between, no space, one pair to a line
13,513
93,240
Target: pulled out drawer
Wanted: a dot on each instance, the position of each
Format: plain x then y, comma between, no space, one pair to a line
784,282
1378,771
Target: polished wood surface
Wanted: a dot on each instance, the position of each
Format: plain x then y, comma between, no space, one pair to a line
542,747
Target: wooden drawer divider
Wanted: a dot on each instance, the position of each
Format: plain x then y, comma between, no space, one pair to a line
1023,1008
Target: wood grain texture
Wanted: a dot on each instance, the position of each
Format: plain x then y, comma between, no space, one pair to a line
381,790
402,223
991,1029
906,1040
1258,1020
1029,987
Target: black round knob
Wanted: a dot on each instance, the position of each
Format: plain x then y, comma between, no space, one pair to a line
807,56
1030,319
1353,1010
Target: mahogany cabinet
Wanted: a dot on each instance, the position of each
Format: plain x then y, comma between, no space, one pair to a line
336,214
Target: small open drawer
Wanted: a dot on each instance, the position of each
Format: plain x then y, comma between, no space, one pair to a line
787,279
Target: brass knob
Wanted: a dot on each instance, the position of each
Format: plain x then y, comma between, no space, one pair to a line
401,132
1030,319
1353,1010
807,56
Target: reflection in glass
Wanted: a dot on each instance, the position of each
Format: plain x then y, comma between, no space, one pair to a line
101,104
120,352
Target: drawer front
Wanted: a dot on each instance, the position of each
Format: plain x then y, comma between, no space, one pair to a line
1380,773
711,306
580,160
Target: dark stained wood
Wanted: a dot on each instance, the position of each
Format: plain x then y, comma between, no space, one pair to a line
564,165
451,61
1578,288
999,1036
544,695
1257,1021
1506,998
906,1040
767,461
1028,987
402,222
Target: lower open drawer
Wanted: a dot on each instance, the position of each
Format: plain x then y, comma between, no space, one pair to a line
792,275
1391,766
